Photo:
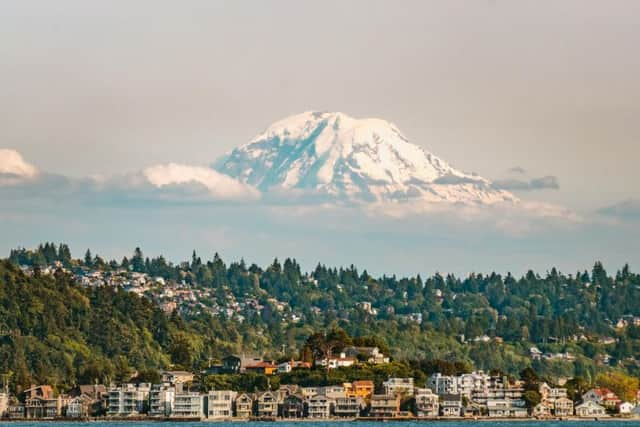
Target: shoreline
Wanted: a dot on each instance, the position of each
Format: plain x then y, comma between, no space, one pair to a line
316,420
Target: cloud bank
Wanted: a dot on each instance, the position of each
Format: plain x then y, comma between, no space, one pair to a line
219,186
174,208
626,209
549,182
185,184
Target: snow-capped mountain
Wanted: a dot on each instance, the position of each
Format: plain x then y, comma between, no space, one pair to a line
367,160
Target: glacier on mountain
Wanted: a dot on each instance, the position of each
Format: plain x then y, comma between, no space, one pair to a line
354,160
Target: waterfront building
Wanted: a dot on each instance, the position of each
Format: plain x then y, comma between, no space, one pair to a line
563,407
348,407
384,406
505,408
360,388
161,400
443,384
244,406
293,406
188,405
541,411
220,404
128,399
398,386
267,404
320,406
426,403
590,409
451,405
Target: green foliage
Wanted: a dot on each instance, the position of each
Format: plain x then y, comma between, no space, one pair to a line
623,385
52,330
249,382
531,398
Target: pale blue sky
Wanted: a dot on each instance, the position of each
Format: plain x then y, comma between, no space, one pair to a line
112,87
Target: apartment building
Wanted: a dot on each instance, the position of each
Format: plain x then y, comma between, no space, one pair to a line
443,384
398,386
426,403
320,406
128,399
220,404
348,407
188,405
161,400
384,405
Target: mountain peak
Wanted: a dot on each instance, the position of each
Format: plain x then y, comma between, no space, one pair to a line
351,159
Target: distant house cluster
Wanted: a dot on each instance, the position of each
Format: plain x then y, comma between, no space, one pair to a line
474,394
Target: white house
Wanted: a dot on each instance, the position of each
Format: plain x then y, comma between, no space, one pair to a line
590,409
342,361
505,408
626,408
284,368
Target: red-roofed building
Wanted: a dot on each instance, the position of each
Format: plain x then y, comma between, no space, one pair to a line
602,396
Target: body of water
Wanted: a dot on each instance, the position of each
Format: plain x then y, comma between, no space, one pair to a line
425,423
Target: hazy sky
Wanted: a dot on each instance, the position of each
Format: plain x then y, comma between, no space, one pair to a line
112,87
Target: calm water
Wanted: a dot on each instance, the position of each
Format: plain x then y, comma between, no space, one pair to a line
504,423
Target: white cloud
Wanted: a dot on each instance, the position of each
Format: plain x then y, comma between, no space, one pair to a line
14,169
167,183
185,184
219,186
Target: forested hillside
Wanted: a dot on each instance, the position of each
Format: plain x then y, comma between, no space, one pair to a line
52,329
55,332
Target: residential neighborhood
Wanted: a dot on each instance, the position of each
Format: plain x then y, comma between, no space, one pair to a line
255,347
474,395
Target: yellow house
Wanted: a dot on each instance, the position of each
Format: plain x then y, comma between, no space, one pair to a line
362,389
263,368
